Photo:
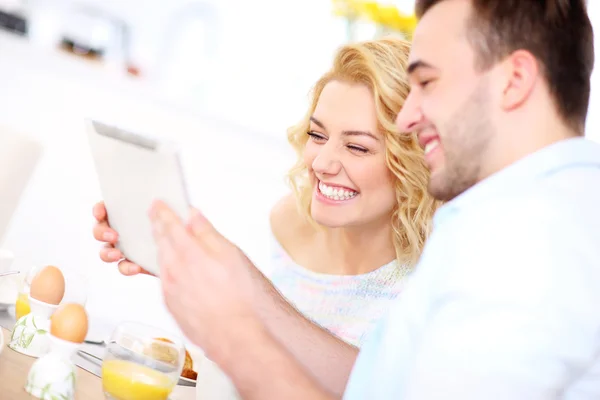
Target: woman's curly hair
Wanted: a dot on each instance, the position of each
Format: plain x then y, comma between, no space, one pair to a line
380,65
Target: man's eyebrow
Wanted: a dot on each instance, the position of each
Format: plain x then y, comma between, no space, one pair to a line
413,66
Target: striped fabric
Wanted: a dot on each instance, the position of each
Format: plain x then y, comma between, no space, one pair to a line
349,306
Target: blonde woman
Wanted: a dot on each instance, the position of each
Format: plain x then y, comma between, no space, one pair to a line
357,221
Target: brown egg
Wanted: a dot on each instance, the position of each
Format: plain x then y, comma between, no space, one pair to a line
70,323
48,285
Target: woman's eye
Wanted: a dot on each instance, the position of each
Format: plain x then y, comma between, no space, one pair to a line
358,149
316,137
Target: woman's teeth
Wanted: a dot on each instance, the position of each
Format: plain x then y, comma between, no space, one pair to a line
335,193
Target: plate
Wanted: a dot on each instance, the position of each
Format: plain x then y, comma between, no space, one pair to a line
186,382
197,356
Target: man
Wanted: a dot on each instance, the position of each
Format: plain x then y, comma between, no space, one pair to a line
504,303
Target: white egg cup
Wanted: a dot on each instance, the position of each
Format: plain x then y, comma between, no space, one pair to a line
31,333
54,375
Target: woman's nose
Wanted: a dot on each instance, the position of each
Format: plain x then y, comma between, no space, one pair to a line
327,161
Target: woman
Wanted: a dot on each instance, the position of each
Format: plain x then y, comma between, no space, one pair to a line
360,212
359,215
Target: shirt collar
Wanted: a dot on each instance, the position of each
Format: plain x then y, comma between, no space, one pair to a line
559,155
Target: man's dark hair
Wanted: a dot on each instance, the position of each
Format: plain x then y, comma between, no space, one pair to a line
558,33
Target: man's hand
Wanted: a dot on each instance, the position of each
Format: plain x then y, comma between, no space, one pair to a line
205,280
209,289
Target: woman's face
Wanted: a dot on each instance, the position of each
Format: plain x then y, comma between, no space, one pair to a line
345,156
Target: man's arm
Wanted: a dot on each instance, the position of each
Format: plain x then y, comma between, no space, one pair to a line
325,357
262,369
283,355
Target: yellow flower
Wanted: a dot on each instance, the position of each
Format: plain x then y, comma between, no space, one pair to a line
384,15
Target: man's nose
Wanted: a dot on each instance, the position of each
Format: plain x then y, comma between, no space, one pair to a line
410,116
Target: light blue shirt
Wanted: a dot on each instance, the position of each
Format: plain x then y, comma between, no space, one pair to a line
505,302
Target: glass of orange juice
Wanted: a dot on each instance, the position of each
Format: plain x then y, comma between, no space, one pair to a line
141,363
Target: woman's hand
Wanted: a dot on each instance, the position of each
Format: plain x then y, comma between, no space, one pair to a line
109,254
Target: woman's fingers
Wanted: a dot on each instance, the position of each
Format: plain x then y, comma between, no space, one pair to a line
104,233
129,268
109,254
99,211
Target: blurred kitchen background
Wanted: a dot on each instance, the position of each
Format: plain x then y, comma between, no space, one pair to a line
223,78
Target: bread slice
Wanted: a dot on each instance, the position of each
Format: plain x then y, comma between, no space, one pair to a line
188,368
165,354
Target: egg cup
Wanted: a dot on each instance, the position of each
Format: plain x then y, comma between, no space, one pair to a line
30,335
54,375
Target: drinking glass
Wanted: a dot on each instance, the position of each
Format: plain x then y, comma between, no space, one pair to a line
9,284
141,362
22,306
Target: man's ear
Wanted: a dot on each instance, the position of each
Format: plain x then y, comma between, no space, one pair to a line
520,71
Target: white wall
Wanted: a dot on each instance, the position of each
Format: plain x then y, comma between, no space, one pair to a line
258,57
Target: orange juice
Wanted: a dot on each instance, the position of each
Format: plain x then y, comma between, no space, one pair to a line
22,305
125,380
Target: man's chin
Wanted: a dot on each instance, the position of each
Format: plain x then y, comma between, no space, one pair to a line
438,186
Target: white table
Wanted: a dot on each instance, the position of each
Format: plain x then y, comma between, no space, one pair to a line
15,366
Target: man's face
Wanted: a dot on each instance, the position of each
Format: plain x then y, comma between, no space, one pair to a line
449,105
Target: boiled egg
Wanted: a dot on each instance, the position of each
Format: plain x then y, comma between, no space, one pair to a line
48,285
70,323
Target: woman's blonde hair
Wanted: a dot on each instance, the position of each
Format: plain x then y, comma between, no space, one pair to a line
381,66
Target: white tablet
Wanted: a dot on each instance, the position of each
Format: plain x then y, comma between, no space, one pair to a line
134,170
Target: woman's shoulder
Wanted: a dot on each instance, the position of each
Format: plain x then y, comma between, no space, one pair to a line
288,226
